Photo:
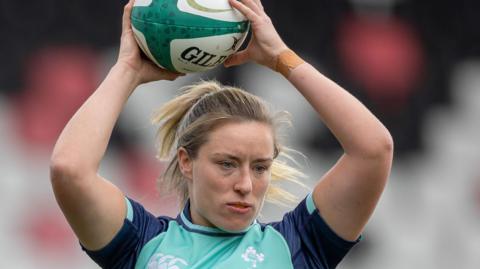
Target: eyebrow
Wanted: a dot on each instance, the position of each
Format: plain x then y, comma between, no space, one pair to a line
233,157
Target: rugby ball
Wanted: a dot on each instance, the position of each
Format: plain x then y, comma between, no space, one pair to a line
188,35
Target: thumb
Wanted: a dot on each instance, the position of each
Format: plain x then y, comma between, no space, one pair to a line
127,12
237,59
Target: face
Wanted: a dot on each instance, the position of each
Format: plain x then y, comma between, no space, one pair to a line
228,179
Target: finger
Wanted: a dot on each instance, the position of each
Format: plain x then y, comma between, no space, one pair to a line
252,4
127,12
245,10
237,59
259,3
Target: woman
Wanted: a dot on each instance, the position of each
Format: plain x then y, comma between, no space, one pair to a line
225,147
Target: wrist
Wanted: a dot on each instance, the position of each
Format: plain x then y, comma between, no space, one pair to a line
286,61
126,74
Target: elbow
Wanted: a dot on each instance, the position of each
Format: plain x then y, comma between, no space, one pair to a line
64,169
383,146
68,179
61,169
388,142
379,147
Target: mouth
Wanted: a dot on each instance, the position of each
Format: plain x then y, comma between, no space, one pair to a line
240,207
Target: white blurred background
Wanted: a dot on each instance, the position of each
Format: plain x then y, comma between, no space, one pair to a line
415,64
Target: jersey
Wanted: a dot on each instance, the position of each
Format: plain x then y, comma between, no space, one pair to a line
301,239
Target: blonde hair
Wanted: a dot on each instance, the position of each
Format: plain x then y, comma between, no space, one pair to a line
186,121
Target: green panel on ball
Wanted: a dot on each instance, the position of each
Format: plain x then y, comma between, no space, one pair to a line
167,12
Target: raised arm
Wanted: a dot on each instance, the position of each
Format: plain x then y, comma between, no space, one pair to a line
93,206
348,193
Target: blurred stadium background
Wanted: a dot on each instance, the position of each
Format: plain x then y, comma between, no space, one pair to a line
415,64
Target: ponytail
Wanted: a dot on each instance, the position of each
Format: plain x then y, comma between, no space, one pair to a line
170,115
170,118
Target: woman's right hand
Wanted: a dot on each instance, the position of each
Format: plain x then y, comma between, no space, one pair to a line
130,54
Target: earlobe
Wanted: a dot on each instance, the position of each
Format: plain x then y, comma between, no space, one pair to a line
184,163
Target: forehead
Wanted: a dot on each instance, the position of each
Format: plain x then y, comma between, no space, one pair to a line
250,138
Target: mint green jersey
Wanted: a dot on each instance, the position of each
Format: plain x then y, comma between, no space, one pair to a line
301,240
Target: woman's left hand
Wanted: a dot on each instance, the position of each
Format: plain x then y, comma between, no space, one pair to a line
265,44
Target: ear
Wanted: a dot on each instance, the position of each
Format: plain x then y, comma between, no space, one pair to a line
185,163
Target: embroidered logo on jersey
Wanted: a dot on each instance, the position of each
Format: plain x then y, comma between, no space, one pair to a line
252,257
163,261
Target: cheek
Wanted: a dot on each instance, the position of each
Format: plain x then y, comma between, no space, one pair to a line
261,186
207,179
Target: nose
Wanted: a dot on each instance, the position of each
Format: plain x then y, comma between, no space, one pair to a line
244,183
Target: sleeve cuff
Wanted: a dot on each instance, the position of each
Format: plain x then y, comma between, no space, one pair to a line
329,233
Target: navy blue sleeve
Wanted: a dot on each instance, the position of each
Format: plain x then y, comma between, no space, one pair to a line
312,243
138,228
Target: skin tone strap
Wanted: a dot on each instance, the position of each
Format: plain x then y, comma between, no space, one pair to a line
287,61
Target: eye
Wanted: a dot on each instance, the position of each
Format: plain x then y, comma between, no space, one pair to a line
227,165
260,169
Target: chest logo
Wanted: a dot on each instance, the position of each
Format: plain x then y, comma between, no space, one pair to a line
163,261
252,257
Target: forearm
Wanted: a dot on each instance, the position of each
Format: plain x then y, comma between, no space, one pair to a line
359,132
84,140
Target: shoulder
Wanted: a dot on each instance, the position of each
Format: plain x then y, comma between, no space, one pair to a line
310,239
139,227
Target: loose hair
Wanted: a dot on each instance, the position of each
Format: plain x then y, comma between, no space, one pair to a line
187,120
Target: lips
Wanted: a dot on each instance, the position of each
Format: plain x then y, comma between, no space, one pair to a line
240,204
240,208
